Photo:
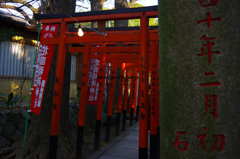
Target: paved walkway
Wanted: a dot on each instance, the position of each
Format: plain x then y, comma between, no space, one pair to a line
125,146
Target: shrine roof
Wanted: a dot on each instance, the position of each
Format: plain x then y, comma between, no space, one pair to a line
103,12
20,25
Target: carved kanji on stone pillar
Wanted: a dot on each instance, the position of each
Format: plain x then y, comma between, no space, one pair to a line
214,105
218,137
202,137
178,144
209,48
209,20
208,3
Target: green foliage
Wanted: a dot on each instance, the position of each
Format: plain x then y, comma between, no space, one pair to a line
83,25
8,102
7,35
15,99
153,21
136,22
76,100
15,112
86,25
87,141
11,100
136,5
2,99
102,143
110,23
24,97
2,94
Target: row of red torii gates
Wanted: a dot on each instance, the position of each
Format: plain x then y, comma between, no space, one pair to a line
138,52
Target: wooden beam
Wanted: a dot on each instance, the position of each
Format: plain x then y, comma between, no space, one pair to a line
126,61
105,17
107,49
116,57
132,64
110,49
112,32
132,68
103,39
100,39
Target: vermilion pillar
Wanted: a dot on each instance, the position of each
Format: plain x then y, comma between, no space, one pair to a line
58,86
82,104
110,101
158,110
138,102
119,106
100,101
153,109
133,95
101,28
136,90
131,107
125,101
143,121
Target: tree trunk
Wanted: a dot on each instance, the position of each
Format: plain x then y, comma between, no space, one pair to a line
96,5
38,135
121,4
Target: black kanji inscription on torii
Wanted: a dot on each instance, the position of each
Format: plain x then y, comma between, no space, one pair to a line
142,116
56,80
55,106
142,93
55,93
143,105
143,58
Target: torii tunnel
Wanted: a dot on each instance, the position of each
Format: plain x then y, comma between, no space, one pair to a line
126,48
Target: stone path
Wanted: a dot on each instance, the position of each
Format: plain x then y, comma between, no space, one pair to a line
125,146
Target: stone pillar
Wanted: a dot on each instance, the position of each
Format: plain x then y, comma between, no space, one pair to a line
199,44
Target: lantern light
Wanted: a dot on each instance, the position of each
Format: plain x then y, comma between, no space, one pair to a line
80,32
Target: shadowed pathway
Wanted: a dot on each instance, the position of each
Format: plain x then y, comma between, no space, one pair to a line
125,146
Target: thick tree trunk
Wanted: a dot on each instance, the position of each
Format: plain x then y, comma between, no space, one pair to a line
121,4
38,135
96,5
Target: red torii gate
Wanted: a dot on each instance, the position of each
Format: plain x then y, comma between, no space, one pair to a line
144,36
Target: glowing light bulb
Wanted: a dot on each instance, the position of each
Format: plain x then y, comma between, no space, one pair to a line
80,32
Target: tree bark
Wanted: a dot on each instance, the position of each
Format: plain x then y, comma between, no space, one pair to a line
96,5
121,4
